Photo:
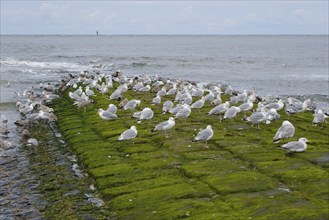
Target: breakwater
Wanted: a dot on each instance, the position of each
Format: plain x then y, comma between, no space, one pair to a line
238,174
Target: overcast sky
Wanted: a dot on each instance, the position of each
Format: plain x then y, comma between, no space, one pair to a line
164,17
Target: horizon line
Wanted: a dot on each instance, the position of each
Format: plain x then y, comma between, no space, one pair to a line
163,34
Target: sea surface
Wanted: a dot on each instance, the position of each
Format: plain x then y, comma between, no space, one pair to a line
272,65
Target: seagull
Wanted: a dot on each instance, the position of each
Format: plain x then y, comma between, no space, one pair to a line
46,115
32,142
272,114
246,107
166,125
132,104
89,92
209,97
296,146
123,103
319,117
286,131
145,88
183,112
217,100
162,92
172,91
198,92
74,96
26,109
116,95
104,88
112,108
220,109
50,96
106,115
123,88
231,112
83,103
277,105
4,119
146,114
131,133
137,86
198,104
242,96
228,90
175,109
136,114
156,100
204,135
257,117
297,107
167,106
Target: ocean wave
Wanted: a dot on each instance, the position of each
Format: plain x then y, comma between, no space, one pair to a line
7,105
312,77
138,64
43,65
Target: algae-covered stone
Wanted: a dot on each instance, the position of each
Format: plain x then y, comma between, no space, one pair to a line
237,175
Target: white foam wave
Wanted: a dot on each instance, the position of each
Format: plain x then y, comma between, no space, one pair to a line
44,65
313,77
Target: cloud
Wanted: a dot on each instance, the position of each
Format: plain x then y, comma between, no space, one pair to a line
52,10
188,10
230,22
92,15
164,17
110,17
299,11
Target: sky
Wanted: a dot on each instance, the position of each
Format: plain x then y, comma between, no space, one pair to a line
164,17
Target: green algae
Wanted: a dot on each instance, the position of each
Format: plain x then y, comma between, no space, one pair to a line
63,193
239,174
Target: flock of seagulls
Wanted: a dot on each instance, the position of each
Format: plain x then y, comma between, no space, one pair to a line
32,106
181,106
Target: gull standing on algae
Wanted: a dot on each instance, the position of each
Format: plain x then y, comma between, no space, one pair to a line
166,125
231,112
106,115
204,135
167,106
247,106
296,146
257,117
198,104
287,130
129,134
219,109
132,104
112,108
184,112
146,114
319,117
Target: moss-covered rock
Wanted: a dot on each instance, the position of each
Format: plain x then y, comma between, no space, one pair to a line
238,174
